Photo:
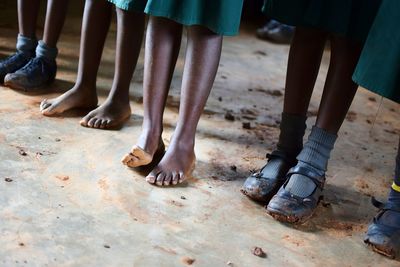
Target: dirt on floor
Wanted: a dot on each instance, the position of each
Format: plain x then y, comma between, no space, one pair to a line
66,200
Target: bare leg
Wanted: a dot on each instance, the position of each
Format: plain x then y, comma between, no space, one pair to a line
116,109
28,11
55,17
201,64
163,40
96,21
303,66
339,88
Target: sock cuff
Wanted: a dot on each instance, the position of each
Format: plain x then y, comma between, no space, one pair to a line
321,136
26,44
43,50
317,150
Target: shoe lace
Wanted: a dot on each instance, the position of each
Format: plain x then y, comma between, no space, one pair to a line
10,59
32,64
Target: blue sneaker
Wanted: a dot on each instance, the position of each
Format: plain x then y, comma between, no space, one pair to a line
13,63
38,73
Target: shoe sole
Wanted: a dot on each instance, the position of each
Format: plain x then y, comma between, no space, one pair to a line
281,217
30,89
390,253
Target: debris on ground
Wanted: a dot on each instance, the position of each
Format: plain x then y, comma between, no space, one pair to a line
229,116
188,260
22,152
257,251
8,180
246,125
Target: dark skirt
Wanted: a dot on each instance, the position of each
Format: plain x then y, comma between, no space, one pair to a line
379,67
220,16
347,18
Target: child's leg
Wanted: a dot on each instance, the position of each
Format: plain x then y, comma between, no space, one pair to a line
55,17
116,109
96,21
28,11
303,65
312,163
26,42
201,65
42,70
337,97
163,40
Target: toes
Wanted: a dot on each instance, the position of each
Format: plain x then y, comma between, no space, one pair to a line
182,177
103,124
160,179
97,123
91,122
44,104
85,120
151,178
168,179
175,178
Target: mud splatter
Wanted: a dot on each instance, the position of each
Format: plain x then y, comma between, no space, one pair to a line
188,260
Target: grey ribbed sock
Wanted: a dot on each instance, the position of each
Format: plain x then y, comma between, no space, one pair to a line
43,50
26,45
315,156
292,129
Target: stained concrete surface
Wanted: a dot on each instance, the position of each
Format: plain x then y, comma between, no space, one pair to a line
70,202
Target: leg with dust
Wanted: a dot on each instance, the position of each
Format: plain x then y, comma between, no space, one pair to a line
163,41
96,21
116,109
201,64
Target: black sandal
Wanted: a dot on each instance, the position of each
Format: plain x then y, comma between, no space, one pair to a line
382,238
286,207
261,188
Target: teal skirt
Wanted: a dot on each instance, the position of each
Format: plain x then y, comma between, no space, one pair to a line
378,69
220,16
347,18
130,5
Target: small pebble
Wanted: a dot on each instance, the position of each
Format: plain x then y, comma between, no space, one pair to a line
8,180
22,152
246,125
257,251
106,246
229,116
183,197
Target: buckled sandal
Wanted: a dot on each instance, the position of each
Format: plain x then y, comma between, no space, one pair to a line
382,238
260,187
286,207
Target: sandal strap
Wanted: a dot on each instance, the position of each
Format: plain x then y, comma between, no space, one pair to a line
385,206
312,175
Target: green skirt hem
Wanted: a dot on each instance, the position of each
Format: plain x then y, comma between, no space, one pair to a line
157,13
370,86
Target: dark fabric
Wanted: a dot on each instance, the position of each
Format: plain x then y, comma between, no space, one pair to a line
349,18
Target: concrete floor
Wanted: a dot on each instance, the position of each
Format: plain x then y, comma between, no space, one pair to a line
69,201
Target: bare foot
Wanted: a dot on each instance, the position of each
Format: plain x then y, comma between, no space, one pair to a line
109,115
75,98
149,146
175,167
